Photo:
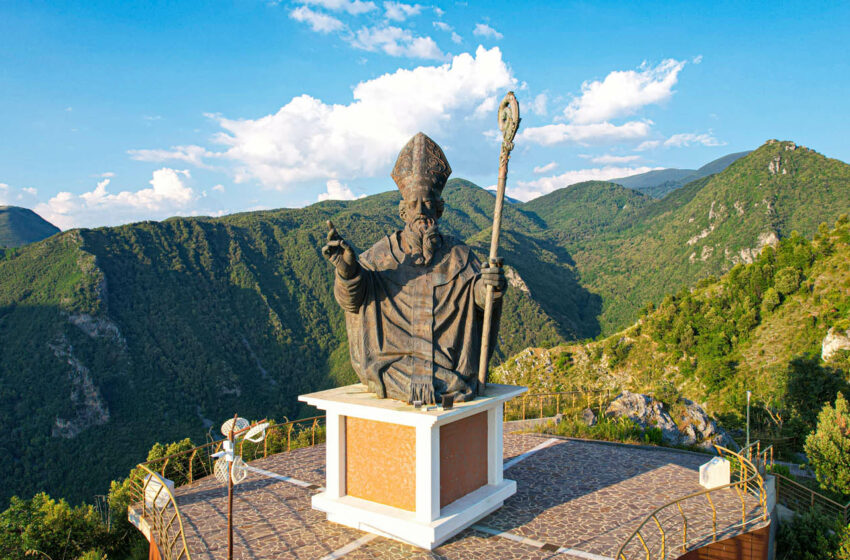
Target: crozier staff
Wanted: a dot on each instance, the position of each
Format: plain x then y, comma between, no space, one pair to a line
508,124
414,302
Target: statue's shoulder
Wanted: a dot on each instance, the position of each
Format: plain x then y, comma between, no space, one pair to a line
381,255
459,251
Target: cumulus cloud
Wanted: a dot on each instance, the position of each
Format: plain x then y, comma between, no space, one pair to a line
623,93
610,158
167,195
398,11
484,30
218,188
545,168
319,22
338,191
585,134
442,26
526,190
308,139
456,39
353,7
395,41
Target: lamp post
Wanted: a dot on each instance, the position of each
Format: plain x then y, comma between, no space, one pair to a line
749,394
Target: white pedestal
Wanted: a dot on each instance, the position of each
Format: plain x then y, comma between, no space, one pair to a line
384,462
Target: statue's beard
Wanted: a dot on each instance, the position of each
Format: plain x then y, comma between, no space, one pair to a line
423,239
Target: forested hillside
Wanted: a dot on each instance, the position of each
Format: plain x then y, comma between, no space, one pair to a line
117,337
19,226
760,327
114,338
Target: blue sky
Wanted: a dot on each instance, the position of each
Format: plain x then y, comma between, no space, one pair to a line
112,112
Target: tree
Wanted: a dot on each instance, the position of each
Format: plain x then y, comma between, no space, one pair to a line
828,447
808,536
53,528
770,301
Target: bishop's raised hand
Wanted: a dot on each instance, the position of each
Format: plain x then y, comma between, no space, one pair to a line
340,254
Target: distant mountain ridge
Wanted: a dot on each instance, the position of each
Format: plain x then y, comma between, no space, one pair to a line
117,337
660,182
20,226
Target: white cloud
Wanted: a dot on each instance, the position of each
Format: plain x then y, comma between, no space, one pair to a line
456,39
218,188
338,191
353,7
189,154
538,104
488,106
622,93
609,158
585,134
681,140
308,139
10,196
526,190
395,41
688,138
106,175
484,30
319,22
442,26
648,145
545,168
697,59
167,195
398,11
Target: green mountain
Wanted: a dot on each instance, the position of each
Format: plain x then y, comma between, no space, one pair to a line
760,327
113,338
708,226
660,182
20,226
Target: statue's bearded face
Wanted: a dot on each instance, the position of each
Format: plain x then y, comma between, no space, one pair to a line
420,209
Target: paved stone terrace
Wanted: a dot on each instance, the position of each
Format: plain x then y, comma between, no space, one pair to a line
575,499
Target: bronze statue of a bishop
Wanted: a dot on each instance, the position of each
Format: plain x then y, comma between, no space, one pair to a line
414,301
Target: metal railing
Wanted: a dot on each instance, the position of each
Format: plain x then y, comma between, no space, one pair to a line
653,537
761,458
799,498
155,501
546,405
159,509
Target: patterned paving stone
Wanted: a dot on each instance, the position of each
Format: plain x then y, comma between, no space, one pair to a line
574,494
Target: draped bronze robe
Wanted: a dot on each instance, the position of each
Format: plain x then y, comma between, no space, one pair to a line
411,324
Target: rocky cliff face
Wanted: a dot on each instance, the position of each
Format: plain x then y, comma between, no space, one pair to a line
834,341
691,426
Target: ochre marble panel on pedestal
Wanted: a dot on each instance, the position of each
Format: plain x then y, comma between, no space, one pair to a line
463,457
380,462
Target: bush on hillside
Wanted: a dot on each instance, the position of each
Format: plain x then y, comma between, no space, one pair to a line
808,536
828,447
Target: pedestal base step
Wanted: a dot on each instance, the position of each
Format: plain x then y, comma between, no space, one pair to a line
403,526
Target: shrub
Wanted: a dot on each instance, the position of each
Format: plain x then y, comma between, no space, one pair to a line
809,536
828,447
